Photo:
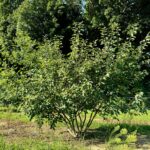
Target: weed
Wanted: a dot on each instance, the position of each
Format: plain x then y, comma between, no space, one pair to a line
120,138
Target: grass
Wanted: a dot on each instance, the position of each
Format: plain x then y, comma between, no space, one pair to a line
30,144
9,114
137,119
13,116
21,134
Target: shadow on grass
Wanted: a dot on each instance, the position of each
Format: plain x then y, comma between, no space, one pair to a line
101,134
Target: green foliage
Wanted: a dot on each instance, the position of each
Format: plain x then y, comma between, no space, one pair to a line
131,16
65,89
47,18
125,12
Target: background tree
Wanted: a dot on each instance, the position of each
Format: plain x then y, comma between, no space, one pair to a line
24,25
8,65
129,15
47,18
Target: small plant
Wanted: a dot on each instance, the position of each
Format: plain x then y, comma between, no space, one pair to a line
121,139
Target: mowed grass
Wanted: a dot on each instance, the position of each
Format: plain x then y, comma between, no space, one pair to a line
30,137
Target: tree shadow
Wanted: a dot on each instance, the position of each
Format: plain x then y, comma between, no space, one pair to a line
101,134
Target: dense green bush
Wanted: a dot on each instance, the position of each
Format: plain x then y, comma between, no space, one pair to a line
88,81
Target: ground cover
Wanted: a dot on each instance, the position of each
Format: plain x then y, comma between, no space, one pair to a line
18,133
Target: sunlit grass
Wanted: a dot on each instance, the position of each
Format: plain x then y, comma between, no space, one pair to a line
139,119
9,114
32,144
